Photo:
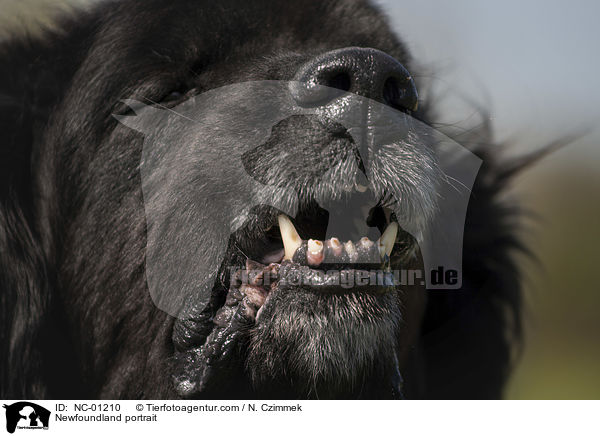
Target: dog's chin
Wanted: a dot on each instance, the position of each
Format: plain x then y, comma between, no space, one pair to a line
315,345
329,314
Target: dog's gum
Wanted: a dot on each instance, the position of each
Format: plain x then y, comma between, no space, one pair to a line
300,254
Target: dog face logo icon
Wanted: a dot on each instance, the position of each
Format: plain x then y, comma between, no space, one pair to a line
26,415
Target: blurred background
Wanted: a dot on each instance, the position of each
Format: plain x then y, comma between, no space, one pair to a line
533,66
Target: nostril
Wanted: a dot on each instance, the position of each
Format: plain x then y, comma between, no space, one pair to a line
340,81
363,71
394,94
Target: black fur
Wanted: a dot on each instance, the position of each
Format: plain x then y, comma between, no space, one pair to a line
76,319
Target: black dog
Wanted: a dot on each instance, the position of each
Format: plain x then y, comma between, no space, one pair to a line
77,318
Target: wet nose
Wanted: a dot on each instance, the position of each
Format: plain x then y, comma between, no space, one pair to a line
364,71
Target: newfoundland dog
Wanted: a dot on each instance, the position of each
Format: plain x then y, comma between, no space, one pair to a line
244,200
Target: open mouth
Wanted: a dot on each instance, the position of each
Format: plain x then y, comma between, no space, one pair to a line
295,254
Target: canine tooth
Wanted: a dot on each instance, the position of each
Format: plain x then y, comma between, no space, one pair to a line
314,255
351,251
386,242
290,237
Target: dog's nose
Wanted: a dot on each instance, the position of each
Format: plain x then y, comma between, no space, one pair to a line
364,71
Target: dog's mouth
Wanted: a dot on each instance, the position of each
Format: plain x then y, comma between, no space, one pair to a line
328,265
295,253
297,272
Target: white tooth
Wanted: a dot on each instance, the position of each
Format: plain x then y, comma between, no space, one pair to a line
351,251
315,252
290,237
335,246
315,247
366,242
386,242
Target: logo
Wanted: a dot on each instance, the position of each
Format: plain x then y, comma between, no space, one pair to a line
26,415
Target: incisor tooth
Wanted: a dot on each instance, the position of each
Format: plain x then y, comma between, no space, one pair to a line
314,246
386,242
315,252
351,251
334,246
366,242
290,237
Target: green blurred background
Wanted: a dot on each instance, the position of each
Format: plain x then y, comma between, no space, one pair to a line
534,66
561,358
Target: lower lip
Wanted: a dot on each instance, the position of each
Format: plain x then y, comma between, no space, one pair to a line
335,281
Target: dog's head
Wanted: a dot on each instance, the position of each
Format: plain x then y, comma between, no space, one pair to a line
284,143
